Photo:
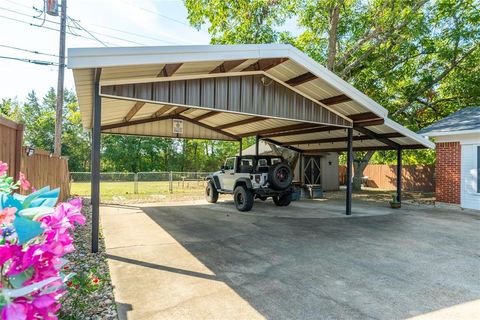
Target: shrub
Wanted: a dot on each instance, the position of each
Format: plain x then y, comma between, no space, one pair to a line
35,235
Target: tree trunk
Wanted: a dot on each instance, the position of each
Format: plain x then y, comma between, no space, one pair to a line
359,165
332,36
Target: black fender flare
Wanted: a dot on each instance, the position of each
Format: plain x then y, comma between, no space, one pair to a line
216,182
246,181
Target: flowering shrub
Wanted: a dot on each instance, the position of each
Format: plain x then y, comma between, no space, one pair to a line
34,236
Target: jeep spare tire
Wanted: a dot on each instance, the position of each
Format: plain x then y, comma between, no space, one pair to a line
280,176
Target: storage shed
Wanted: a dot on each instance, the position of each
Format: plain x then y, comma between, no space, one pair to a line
457,139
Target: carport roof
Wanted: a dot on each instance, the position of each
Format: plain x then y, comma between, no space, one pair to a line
311,106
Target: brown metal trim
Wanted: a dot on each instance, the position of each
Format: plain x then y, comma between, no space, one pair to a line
306,77
335,100
136,107
377,136
179,110
227,66
279,144
169,69
146,135
265,64
298,132
206,126
410,146
363,116
162,111
206,115
168,117
341,139
241,122
281,129
369,123
135,122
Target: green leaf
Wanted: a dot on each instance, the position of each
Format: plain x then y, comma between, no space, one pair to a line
17,280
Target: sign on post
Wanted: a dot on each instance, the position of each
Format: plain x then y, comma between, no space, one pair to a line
177,126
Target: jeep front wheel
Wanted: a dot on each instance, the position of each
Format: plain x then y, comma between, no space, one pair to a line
211,193
243,198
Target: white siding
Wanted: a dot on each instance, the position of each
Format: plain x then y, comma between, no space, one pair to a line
470,196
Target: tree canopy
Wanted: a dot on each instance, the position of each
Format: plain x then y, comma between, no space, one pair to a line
419,59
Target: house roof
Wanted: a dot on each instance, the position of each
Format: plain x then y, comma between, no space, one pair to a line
466,120
132,81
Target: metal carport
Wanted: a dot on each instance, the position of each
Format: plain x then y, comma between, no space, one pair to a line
273,92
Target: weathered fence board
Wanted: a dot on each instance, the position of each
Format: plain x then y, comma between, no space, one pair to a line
11,134
41,169
414,178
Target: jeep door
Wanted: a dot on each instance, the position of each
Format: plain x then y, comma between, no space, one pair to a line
229,174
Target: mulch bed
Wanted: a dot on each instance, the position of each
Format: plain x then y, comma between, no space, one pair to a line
90,293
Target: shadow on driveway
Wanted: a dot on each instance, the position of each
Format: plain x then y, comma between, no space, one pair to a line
382,266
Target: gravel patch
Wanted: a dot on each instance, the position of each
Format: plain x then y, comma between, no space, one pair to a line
90,295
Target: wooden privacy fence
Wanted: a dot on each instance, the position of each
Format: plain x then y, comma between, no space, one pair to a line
11,136
41,169
382,176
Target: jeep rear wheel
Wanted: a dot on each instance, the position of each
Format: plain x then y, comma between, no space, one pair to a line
280,176
211,193
243,198
283,200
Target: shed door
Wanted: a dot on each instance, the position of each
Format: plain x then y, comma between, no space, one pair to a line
470,185
312,173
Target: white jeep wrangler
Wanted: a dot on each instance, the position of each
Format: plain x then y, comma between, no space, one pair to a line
250,177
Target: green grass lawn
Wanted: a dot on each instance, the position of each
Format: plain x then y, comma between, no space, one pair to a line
110,190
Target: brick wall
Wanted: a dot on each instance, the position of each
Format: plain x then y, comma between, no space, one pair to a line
447,172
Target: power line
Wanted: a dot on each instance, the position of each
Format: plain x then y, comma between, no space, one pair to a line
159,14
82,28
31,51
49,28
39,62
133,33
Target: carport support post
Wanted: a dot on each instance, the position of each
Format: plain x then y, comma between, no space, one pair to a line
399,175
348,209
97,113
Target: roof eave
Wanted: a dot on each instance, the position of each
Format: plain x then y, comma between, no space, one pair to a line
433,134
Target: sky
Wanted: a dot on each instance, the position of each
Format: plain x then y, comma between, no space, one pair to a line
113,22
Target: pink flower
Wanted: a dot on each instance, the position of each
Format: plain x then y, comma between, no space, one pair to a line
5,253
15,311
24,183
7,215
3,168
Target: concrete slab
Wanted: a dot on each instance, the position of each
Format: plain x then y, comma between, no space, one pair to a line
193,260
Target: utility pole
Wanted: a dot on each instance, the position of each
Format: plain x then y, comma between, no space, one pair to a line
61,75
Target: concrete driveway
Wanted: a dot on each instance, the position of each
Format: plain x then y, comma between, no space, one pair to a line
193,260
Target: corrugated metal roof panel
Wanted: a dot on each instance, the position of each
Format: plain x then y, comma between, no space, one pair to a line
260,125
164,128
138,64
136,71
